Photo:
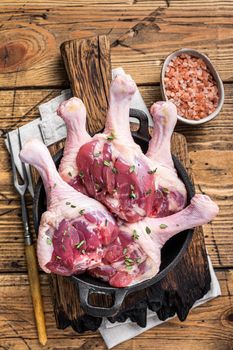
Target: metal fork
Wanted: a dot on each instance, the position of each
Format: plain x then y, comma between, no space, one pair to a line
21,189
33,274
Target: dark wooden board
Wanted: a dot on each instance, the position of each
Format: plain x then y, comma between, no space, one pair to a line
88,67
189,281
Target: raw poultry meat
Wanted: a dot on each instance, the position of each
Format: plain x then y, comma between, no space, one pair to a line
111,166
77,233
75,228
136,253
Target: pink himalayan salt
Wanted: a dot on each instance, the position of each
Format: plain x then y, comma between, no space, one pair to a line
191,87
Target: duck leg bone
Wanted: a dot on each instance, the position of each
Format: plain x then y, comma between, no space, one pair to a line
122,90
165,117
73,112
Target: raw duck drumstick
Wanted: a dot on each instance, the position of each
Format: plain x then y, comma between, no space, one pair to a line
138,257
75,228
112,168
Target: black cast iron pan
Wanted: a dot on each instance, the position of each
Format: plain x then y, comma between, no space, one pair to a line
171,253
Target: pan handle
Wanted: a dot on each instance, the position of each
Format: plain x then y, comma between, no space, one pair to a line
98,311
141,116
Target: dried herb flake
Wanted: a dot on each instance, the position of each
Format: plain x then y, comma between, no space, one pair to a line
125,251
129,261
48,241
132,169
97,154
107,163
80,244
114,170
148,191
97,186
163,226
135,235
111,137
152,171
132,195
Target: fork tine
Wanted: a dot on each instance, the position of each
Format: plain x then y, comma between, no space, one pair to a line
12,161
25,175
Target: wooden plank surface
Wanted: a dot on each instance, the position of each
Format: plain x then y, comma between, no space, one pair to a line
210,323
142,33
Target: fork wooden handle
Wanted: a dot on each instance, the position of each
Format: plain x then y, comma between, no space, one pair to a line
36,293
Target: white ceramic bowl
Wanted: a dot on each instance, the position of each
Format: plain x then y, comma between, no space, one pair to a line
212,70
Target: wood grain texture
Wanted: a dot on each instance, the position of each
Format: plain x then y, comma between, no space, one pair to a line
88,66
208,327
31,33
142,33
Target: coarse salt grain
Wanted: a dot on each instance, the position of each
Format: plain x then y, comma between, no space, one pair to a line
191,87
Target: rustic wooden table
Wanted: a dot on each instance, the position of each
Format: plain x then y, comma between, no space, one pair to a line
142,33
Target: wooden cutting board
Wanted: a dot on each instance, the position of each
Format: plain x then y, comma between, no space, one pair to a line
88,66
